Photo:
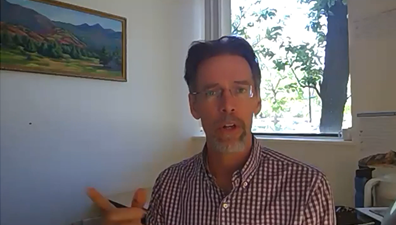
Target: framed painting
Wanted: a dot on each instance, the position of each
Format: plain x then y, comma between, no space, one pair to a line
52,37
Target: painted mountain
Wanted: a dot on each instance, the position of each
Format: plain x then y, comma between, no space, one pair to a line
40,37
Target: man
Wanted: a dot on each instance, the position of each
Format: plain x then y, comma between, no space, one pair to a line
234,180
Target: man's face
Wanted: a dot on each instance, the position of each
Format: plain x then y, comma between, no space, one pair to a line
225,101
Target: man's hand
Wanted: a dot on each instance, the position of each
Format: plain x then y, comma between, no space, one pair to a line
120,216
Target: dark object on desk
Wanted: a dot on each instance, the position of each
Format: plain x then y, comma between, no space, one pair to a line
349,216
117,205
363,174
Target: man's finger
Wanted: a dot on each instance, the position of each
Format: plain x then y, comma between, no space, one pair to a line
98,199
125,215
139,198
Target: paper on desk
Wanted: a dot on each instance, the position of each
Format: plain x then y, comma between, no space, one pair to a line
377,132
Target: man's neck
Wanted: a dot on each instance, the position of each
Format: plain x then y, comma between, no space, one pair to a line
225,164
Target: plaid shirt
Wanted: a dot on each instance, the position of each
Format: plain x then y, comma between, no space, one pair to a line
270,189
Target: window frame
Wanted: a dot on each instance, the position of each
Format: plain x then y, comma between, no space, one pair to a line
217,18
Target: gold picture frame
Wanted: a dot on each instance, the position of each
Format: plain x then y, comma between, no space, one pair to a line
56,38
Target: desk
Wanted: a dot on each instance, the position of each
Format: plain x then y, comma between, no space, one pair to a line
371,212
125,199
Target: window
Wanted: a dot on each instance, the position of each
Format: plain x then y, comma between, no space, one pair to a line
302,47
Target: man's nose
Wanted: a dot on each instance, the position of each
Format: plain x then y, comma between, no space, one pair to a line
227,102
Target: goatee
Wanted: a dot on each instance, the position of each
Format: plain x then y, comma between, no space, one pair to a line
223,144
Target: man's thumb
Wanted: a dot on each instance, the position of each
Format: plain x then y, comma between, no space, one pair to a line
139,198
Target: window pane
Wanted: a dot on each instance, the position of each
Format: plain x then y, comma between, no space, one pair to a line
305,70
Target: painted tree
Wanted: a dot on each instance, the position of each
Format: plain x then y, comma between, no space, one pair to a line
54,49
104,56
30,46
6,38
43,49
324,80
17,40
117,56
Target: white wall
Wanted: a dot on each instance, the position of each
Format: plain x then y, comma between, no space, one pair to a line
110,135
372,31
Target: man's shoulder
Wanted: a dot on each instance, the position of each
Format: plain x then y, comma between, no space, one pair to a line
284,162
181,169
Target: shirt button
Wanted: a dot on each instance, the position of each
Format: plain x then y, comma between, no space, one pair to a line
225,205
245,184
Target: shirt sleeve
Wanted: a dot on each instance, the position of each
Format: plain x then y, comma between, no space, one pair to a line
320,208
154,214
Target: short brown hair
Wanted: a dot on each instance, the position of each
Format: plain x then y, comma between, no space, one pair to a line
202,50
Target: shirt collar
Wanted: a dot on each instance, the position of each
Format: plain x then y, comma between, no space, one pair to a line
247,170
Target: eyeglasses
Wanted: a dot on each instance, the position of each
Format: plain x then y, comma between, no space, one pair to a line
240,92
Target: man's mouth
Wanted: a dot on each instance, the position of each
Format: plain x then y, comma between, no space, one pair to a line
229,126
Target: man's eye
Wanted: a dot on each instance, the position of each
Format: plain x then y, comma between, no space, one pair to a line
241,90
210,93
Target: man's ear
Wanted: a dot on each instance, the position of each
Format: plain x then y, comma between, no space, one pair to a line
258,106
193,104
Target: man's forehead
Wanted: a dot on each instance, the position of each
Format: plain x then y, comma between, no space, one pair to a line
224,78
229,69
225,63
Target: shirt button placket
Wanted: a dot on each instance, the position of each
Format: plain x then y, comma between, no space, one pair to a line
245,184
223,213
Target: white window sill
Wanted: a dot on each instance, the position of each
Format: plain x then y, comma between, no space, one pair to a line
295,139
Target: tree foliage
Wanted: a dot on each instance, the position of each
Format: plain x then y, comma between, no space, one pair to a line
300,65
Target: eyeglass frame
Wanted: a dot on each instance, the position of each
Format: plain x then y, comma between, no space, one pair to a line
221,91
